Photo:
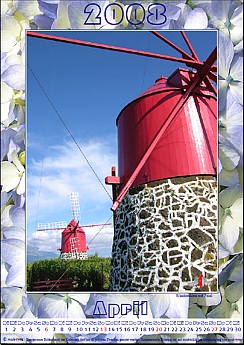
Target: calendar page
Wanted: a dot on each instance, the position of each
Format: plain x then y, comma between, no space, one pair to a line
121,165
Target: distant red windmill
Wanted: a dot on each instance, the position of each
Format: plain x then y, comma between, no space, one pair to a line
73,242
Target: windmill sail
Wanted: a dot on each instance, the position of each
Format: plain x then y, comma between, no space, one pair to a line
75,206
51,226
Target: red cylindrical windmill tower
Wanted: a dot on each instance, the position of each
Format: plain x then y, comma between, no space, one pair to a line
165,194
73,238
73,242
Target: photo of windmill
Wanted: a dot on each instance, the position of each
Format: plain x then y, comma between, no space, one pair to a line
73,247
164,188
73,242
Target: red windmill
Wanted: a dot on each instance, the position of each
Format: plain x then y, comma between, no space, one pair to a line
73,241
187,82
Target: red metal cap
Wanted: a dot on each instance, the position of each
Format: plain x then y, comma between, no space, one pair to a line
177,81
189,145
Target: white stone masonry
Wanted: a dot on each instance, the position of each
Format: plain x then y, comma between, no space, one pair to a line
166,237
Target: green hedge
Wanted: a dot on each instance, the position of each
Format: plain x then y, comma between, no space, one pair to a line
91,275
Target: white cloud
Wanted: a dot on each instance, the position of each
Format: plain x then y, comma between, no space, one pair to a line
102,243
64,170
50,182
47,241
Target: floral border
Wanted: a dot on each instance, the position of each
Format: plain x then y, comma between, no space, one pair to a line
17,16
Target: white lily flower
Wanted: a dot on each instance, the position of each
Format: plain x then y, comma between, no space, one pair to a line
62,20
10,33
239,47
231,124
12,299
62,306
7,140
14,76
227,19
195,312
237,249
7,104
222,252
230,72
28,8
13,73
17,216
228,178
237,273
13,175
231,304
204,302
12,102
32,300
180,22
5,217
4,273
230,158
230,215
7,8
197,19
230,270
13,253
178,307
14,232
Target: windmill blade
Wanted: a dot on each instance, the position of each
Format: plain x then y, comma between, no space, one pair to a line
75,206
95,225
194,55
51,226
188,62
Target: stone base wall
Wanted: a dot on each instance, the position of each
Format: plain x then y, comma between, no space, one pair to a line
166,237
74,255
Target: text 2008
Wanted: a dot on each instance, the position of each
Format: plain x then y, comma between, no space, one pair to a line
135,14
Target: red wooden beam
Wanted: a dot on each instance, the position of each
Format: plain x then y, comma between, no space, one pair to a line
185,55
172,45
191,63
194,55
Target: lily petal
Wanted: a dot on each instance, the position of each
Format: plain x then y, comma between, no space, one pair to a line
14,76
178,309
221,311
12,299
52,306
27,8
159,304
226,54
237,211
196,19
237,67
10,176
228,177
229,232
234,291
236,89
229,195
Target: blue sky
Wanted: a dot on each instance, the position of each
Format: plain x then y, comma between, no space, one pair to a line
88,87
